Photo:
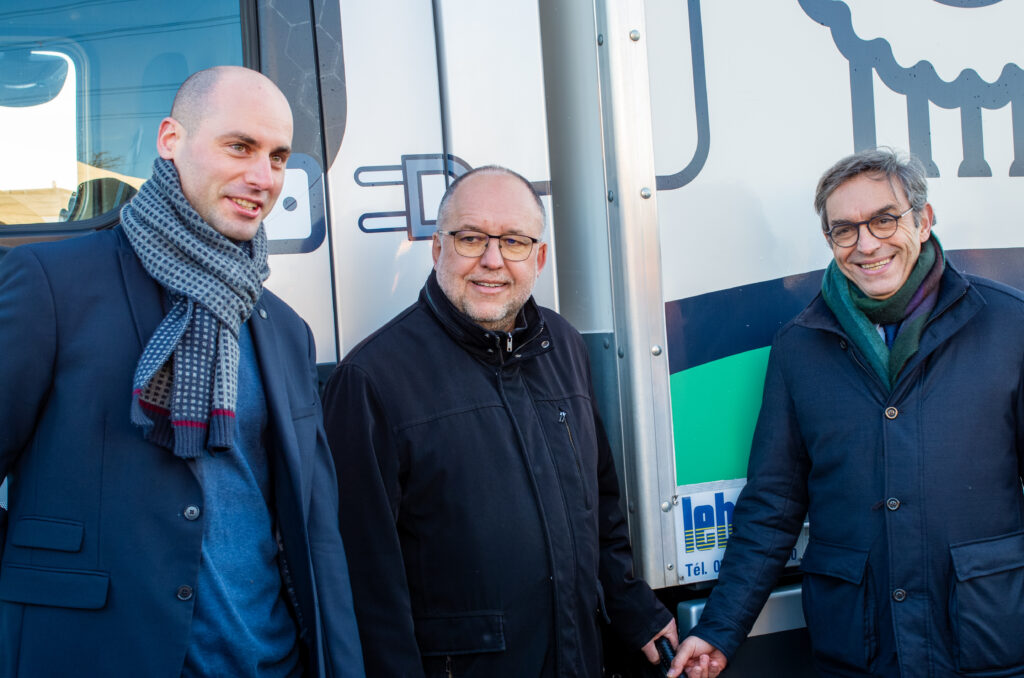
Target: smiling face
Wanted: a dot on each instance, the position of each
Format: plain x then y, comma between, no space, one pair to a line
231,155
488,289
877,267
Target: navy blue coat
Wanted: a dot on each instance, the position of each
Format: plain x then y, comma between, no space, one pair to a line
481,496
915,565
97,544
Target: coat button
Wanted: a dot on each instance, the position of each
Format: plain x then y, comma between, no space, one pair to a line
891,413
892,503
263,313
842,344
899,595
192,512
545,343
184,592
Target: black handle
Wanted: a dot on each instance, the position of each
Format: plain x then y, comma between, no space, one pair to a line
665,653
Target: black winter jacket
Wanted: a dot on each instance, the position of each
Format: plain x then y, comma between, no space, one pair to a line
479,499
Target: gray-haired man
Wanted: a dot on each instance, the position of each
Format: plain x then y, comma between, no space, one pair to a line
893,416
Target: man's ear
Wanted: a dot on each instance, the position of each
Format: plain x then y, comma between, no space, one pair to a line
925,220
168,137
542,256
435,248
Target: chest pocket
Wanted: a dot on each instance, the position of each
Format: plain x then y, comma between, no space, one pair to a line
573,443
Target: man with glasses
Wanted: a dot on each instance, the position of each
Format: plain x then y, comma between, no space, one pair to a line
477,485
893,417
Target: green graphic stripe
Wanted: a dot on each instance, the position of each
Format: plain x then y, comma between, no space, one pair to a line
714,409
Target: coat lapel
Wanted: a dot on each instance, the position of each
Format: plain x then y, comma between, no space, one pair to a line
279,407
144,295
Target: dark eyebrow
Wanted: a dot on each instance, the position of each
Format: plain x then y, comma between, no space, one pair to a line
891,209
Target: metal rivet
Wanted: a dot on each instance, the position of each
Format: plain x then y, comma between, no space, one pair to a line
607,343
670,567
666,506
622,353
655,350
611,196
634,35
645,193
600,39
263,313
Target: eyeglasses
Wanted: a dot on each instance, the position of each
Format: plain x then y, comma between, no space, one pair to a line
473,244
881,226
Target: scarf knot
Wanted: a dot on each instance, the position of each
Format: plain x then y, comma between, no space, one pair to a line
902,316
186,381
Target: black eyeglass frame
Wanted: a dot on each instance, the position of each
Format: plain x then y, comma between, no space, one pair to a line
867,223
533,242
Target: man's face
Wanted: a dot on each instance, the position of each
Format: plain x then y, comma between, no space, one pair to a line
232,160
488,289
878,267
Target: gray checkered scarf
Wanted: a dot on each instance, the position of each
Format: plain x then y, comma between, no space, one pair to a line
186,381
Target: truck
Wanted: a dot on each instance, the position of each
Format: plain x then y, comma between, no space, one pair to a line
676,144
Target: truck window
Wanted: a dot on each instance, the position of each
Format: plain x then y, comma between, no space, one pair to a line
83,87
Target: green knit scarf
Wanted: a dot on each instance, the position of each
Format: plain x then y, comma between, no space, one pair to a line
909,308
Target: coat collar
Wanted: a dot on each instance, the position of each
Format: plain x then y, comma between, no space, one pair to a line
958,302
529,338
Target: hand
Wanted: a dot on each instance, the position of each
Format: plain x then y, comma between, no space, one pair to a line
669,632
698,658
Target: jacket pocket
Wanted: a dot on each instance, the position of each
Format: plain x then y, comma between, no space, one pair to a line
32,585
36,532
466,633
563,420
838,604
985,607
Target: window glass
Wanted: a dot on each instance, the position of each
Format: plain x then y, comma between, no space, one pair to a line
83,87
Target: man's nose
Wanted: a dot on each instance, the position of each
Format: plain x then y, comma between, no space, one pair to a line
867,242
259,173
491,258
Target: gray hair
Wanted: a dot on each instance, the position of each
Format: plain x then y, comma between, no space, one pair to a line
906,169
444,210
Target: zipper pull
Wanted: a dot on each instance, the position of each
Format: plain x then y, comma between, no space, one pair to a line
448,666
508,344
561,416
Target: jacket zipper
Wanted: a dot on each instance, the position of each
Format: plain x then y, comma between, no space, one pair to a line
448,666
563,419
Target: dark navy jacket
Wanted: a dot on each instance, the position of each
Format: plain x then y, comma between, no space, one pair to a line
99,546
915,565
480,494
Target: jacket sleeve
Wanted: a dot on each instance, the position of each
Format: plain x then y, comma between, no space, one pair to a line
367,463
767,519
634,611
28,339
342,651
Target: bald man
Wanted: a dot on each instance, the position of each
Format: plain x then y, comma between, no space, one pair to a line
482,497
173,504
